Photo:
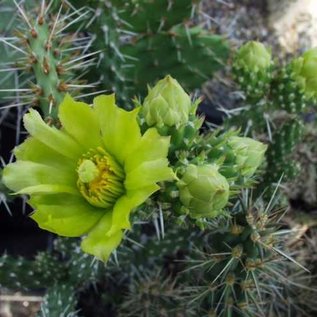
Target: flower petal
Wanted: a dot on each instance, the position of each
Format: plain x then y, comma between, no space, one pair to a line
98,243
151,147
19,175
48,189
81,122
50,136
124,206
120,129
34,150
148,173
64,214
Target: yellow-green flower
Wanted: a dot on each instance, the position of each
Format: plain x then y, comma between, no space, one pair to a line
85,178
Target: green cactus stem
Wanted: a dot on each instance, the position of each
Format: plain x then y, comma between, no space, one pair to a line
50,57
252,69
242,257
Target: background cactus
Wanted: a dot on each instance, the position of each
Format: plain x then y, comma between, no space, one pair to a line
136,36
304,186
276,113
63,272
123,52
48,58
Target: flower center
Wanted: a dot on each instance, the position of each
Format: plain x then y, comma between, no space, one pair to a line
100,178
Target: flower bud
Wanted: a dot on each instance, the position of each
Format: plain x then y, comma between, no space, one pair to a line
249,154
203,190
166,104
252,69
305,72
254,56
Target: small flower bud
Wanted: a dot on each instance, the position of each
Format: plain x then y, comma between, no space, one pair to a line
252,69
254,56
305,72
166,104
249,154
203,190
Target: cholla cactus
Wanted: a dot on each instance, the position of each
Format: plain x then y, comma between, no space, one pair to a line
64,272
275,115
48,56
210,169
153,294
241,268
252,69
101,170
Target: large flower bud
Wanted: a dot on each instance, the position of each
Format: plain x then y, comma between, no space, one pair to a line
305,72
249,154
252,68
203,191
166,104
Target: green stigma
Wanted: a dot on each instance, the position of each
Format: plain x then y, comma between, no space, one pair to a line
87,171
100,178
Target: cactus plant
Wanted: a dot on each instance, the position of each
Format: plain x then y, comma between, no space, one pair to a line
194,55
252,69
151,294
99,163
127,49
135,37
42,155
241,258
48,57
59,301
275,113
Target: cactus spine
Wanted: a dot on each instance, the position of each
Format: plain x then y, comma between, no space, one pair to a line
135,36
50,57
241,258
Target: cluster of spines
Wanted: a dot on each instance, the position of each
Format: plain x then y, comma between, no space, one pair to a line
151,17
60,300
234,269
253,82
153,293
186,48
108,29
50,57
63,273
27,274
